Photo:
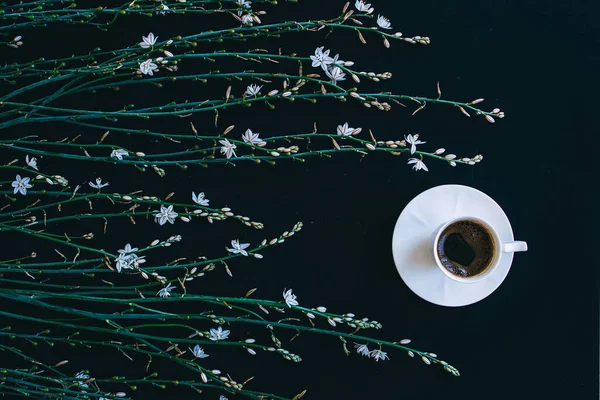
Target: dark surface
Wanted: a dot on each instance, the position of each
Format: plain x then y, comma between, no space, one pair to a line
537,335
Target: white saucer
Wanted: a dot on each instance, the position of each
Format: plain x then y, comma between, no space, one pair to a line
412,243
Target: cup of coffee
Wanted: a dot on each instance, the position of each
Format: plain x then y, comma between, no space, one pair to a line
468,249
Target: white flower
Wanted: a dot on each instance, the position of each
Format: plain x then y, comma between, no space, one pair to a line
199,199
98,184
218,334
336,74
163,10
364,7
31,162
290,298
238,248
221,397
198,352
82,377
148,41
21,185
379,355
253,90
418,164
147,67
250,137
119,153
345,130
321,58
384,22
228,148
362,349
166,214
413,141
243,3
248,19
166,291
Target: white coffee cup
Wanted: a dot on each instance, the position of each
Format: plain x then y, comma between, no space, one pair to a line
500,248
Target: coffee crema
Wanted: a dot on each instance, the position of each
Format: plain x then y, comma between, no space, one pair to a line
465,248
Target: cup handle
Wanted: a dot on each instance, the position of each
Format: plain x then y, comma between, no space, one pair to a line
512,247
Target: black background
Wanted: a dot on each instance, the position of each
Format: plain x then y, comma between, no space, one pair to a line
537,334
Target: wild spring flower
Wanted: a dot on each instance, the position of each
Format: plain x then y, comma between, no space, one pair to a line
166,291
413,141
21,185
148,41
148,67
198,352
253,90
418,164
238,248
383,22
218,334
290,298
251,137
228,148
166,214
363,7
200,199
321,58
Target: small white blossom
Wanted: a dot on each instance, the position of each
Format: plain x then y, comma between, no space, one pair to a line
379,355
228,148
238,248
321,58
148,67
418,164
98,184
218,334
21,185
198,352
247,19
166,214
200,199
363,7
148,41
345,130
31,162
244,6
166,291
82,377
250,137
119,153
290,298
163,9
413,141
336,74
383,22
221,397
362,349
253,90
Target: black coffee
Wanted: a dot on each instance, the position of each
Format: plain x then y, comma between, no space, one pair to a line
466,248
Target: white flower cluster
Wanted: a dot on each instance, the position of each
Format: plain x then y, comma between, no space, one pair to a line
245,12
331,65
377,354
127,258
365,7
